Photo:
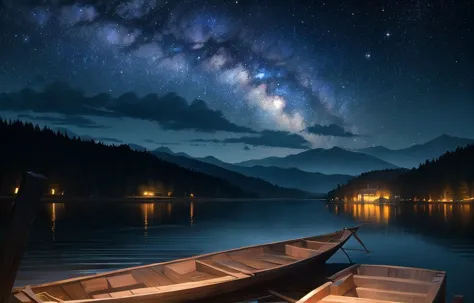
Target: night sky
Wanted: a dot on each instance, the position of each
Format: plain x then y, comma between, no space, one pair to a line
241,79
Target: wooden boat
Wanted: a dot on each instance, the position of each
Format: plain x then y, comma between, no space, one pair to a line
381,284
192,278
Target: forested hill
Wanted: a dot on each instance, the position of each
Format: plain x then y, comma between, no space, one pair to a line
450,177
85,168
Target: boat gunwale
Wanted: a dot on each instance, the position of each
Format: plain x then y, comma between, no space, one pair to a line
437,286
99,275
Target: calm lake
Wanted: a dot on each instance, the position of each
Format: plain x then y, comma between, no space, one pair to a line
76,239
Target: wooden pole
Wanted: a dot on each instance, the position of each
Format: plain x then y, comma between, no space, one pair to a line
13,245
283,297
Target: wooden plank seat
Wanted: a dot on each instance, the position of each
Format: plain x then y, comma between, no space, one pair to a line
396,284
118,289
253,262
391,295
165,288
76,291
343,285
150,277
277,258
420,274
300,252
343,299
236,266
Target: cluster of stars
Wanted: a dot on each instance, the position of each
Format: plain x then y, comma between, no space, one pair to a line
272,64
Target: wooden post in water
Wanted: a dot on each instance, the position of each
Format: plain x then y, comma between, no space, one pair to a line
13,245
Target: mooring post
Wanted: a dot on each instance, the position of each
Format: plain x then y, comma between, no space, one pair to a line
13,244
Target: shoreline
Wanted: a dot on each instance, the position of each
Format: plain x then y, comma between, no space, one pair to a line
402,203
139,199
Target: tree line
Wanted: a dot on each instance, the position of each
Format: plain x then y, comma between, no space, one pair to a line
448,178
82,168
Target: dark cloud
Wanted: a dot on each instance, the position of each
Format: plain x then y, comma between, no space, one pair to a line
66,120
270,138
246,147
171,111
107,139
329,130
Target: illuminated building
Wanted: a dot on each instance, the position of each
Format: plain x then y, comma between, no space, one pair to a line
373,195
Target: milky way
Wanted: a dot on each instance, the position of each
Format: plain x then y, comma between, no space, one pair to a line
269,65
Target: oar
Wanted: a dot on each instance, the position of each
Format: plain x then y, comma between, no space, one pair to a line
283,297
354,233
357,249
347,255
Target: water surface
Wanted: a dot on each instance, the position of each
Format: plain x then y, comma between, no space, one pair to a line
77,238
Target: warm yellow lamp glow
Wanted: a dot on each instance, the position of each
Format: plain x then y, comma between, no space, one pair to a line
191,195
170,193
148,193
53,191
16,190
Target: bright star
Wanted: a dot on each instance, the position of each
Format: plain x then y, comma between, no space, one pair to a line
278,103
367,56
387,34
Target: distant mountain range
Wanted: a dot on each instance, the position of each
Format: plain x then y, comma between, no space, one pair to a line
419,153
314,171
249,184
327,161
286,177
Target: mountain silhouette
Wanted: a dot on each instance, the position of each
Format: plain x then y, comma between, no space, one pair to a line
249,184
327,161
286,177
419,153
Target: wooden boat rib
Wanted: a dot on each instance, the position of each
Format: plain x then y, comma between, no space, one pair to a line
191,278
381,284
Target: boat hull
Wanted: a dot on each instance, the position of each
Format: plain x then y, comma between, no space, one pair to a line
206,290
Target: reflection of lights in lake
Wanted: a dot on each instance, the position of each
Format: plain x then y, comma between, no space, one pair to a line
191,212
368,212
53,219
148,210
55,210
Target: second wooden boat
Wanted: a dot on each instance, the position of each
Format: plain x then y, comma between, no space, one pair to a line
192,278
381,284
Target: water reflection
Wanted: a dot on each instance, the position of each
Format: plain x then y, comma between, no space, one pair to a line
76,238
365,212
191,212
438,213
55,209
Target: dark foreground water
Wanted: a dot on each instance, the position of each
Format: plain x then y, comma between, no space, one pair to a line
76,239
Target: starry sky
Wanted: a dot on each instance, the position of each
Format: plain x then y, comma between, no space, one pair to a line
241,79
